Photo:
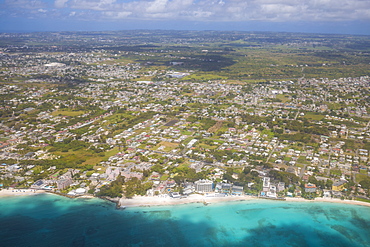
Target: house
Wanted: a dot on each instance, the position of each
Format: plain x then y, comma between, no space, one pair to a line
271,194
281,186
223,188
237,190
80,191
226,188
338,185
327,194
175,195
310,188
188,188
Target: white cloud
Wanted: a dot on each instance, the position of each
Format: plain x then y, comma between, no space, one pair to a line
60,3
98,5
202,14
116,15
157,6
25,4
203,10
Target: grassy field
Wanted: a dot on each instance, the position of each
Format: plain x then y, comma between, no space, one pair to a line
97,159
68,113
314,116
185,132
168,146
204,77
90,158
164,177
283,98
215,127
360,177
362,200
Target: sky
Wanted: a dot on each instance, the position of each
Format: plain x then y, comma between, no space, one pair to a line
310,16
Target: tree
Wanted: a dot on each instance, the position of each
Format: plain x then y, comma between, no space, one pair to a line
365,184
329,184
114,189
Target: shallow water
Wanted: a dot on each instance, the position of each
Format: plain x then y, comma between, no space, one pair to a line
49,220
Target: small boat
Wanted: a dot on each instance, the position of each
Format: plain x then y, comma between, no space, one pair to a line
122,207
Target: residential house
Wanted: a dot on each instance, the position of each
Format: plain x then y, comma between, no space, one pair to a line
310,188
339,185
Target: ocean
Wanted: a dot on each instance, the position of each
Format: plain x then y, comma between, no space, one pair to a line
50,220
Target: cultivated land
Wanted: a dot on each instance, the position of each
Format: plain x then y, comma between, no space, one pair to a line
177,114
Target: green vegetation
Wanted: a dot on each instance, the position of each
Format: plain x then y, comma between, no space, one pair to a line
114,189
135,187
362,199
67,113
257,104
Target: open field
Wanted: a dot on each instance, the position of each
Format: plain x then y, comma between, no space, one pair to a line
166,146
68,113
215,127
314,116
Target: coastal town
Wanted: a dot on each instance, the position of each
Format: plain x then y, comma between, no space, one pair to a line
184,123
134,129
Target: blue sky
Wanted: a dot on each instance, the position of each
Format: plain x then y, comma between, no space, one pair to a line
314,16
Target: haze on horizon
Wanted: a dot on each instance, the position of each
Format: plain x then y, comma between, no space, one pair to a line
311,16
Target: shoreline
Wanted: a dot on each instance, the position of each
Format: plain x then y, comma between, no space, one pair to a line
152,201
146,201
329,200
20,192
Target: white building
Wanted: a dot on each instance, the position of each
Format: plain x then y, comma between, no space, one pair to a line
191,143
203,186
266,184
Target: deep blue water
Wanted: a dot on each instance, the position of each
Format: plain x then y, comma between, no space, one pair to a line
49,220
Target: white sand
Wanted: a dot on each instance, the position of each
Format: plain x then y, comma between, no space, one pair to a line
332,200
19,192
146,201
143,201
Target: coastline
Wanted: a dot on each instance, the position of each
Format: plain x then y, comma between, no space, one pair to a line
149,201
329,200
20,192
146,201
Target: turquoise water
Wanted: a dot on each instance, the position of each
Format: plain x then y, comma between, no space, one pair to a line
49,220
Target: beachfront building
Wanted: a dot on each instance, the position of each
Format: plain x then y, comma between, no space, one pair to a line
310,187
237,190
80,191
266,184
203,186
64,183
188,188
223,188
339,185
281,186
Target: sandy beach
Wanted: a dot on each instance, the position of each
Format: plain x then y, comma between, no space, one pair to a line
19,192
147,201
331,200
165,200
